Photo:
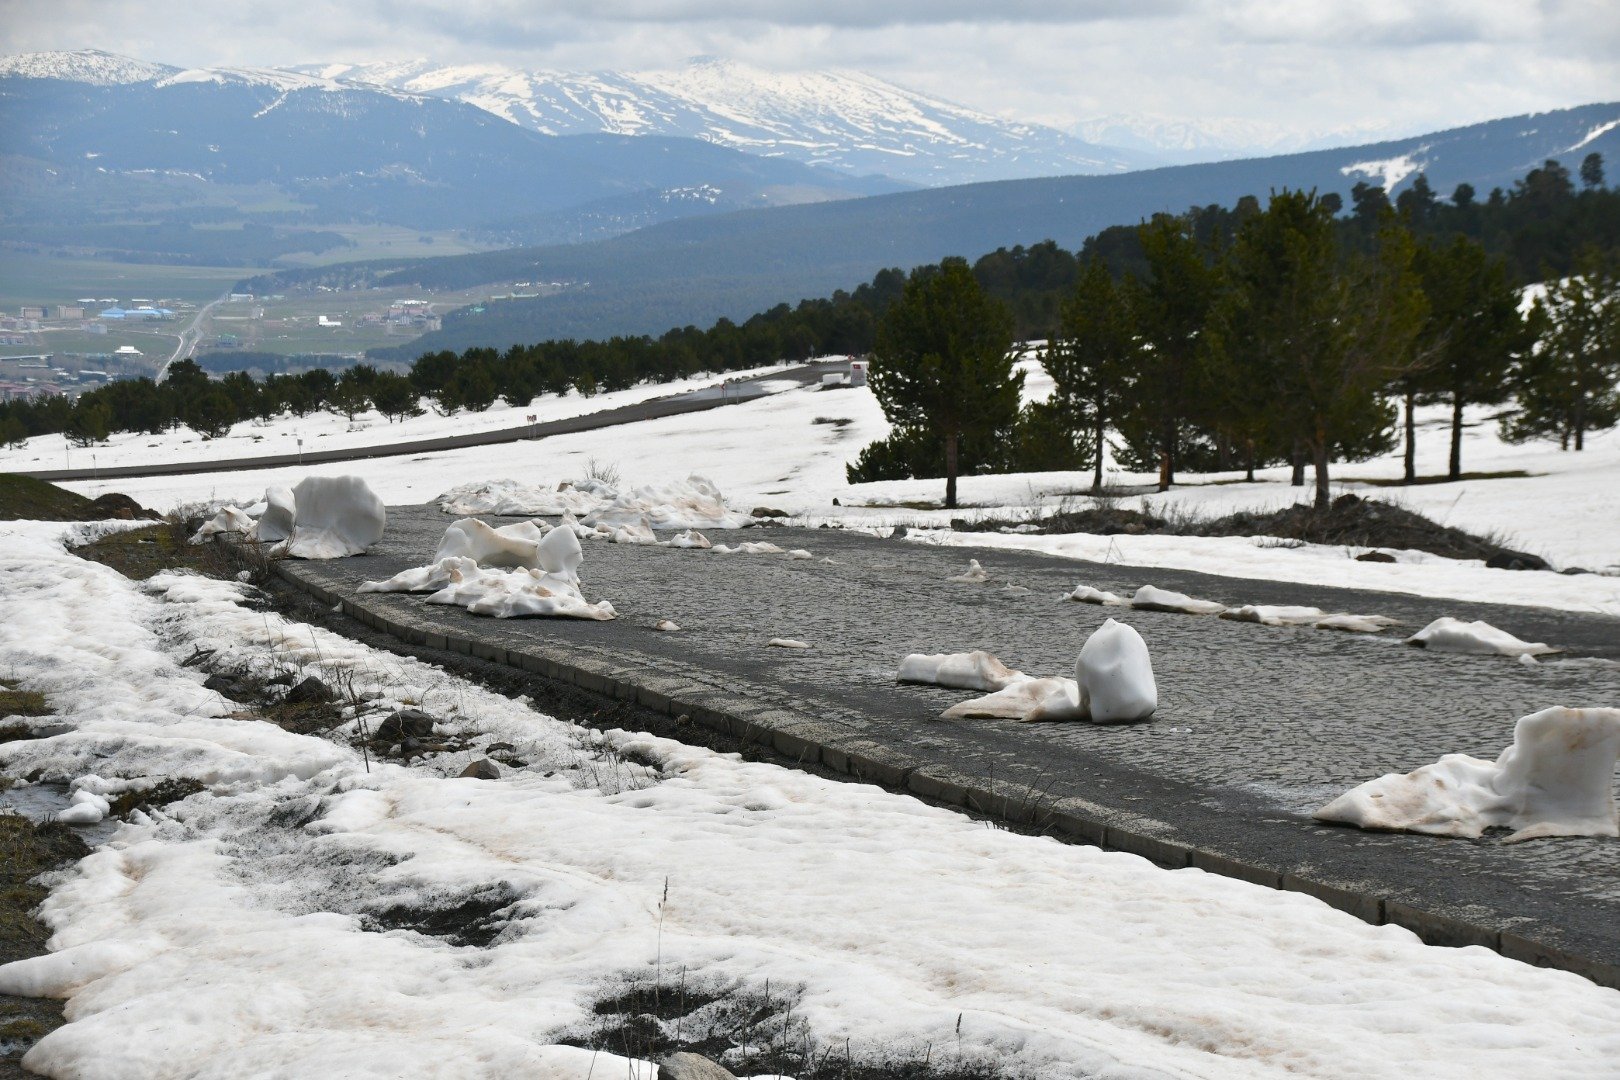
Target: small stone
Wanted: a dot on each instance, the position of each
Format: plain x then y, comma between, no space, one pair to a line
482,769
684,1066
1569,571
767,512
308,692
899,533
500,748
1375,556
405,723
1515,560
837,503
222,684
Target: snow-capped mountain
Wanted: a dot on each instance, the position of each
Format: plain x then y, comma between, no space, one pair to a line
1188,142
844,119
113,133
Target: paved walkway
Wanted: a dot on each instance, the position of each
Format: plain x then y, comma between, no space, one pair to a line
730,393
1257,725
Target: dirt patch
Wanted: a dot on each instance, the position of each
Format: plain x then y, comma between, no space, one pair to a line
754,1031
1350,521
23,498
27,850
140,553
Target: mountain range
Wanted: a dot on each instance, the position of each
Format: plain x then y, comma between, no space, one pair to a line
844,119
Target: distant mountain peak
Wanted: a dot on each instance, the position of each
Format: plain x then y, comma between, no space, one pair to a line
83,65
844,119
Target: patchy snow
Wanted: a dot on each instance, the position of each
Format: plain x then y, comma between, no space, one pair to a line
1293,615
693,503
1478,638
227,934
774,451
1152,598
1557,779
517,498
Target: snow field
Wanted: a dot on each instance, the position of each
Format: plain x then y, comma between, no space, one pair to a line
224,936
773,451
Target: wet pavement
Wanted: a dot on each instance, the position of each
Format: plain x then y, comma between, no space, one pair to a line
1257,726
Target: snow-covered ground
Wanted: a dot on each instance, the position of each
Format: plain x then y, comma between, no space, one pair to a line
228,935
330,431
789,451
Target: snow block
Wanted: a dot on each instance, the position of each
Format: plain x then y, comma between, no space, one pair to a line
229,519
966,671
335,516
510,545
278,519
1149,598
560,553
1115,676
1557,779
1475,639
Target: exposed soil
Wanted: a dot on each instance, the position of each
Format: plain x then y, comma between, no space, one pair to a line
1349,521
23,498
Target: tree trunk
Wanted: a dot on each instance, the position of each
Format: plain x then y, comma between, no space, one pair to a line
1320,458
1411,441
1455,470
1167,457
1580,424
950,471
1297,456
1096,474
1248,449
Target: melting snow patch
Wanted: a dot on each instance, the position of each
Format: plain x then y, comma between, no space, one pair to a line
510,545
1149,598
1474,638
787,643
973,575
1557,779
964,671
667,625
1307,616
1088,595
228,519
513,498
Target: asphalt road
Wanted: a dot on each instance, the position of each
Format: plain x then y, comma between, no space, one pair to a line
1257,725
730,393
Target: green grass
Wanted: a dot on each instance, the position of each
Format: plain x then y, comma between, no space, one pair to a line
28,278
22,498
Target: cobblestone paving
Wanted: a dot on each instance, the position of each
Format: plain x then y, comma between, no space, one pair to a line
1257,725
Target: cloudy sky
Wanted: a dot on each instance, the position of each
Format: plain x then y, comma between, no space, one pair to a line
1374,66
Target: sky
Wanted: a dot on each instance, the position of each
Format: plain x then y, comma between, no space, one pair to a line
1254,66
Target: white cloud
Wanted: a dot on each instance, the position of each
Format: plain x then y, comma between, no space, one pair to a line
1395,65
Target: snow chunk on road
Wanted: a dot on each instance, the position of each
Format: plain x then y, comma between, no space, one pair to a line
1475,639
973,575
691,538
976,670
693,503
229,519
510,594
1149,598
515,545
1014,701
760,547
1115,676
1085,594
429,578
334,517
1557,779
514,498
279,517
787,643
1284,615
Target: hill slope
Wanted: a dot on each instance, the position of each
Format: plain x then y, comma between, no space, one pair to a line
844,119
735,264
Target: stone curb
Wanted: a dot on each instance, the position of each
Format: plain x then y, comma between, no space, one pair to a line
805,740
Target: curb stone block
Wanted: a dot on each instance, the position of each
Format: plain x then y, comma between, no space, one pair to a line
1234,868
1362,906
1439,929
1163,852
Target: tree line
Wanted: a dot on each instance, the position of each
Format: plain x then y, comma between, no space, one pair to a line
1170,270
1281,340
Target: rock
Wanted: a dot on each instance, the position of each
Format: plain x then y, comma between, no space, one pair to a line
482,769
1515,560
899,533
500,748
684,1066
767,512
837,503
1571,570
1346,500
1375,556
223,684
308,692
406,723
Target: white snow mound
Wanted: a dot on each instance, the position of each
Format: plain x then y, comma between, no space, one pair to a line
516,545
976,670
334,517
279,517
972,575
693,503
228,519
1446,634
1557,779
1115,676
1284,615
514,498
1085,594
1149,598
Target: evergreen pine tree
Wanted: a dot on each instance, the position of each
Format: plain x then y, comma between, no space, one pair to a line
1092,360
1570,384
